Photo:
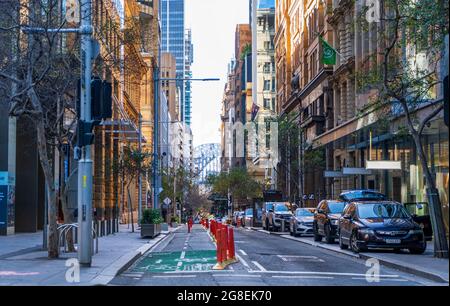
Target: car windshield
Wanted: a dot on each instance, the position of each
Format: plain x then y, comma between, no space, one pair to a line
336,207
269,206
363,195
303,213
380,210
281,208
249,212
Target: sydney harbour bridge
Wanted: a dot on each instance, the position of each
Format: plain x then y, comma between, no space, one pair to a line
206,161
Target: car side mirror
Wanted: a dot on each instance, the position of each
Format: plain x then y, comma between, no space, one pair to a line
271,210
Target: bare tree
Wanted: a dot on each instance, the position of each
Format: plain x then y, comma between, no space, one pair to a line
38,81
405,73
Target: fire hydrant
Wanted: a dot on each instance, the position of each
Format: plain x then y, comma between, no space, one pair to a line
190,222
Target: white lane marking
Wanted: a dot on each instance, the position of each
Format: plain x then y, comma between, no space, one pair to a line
303,276
158,261
243,261
185,248
201,271
288,257
243,252
258,265
173,276
320,273
231,268
132,274
183,254
236,275
382,280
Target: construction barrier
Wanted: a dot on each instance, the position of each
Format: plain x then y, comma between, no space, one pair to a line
231,251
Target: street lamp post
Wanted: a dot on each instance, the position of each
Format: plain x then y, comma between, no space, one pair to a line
85,162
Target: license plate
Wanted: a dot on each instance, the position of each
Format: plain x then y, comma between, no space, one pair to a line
393,241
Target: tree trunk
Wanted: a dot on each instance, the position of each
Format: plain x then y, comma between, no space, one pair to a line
53,250
131,208
437,220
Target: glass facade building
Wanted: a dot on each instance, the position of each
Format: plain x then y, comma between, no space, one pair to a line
173,40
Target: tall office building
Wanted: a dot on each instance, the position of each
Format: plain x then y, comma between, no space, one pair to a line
176,40
189,59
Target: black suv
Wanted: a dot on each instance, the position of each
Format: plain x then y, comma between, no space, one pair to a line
380,224
326,220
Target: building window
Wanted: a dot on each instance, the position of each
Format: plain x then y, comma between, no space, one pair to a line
266,84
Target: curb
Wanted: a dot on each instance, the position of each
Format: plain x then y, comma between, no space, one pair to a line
124,262
365,256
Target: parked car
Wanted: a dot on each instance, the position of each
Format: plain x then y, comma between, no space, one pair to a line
362,195
275,214
248,217
326,220
237,215
421,215
302,222
380,224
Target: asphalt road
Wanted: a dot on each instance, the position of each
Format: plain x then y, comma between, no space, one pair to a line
263,260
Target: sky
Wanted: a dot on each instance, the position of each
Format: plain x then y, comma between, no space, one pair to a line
213,24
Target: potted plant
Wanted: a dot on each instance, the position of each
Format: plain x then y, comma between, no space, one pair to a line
151,223
174,221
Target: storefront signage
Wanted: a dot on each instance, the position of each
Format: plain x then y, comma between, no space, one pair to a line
356,171
333,174
383,165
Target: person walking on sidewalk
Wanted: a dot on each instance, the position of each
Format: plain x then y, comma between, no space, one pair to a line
190,222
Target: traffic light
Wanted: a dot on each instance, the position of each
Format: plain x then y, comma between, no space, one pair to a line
446,98
101,99
85,133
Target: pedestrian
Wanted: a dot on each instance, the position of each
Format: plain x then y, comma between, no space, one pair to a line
190,222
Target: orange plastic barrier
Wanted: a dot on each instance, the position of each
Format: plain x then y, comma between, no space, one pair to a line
231,250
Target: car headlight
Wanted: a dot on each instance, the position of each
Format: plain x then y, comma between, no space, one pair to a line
335,222
415,232
366,231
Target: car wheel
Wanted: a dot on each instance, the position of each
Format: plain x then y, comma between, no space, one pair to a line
417,251
328,236
317,237
342,245
354,245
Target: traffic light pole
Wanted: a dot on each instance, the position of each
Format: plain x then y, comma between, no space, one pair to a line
85,245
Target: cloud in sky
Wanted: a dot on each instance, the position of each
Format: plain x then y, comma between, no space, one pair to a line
213,23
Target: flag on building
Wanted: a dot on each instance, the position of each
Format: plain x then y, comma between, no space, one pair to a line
328,56
255,110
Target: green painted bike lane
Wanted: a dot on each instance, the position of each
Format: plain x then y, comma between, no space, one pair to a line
195,261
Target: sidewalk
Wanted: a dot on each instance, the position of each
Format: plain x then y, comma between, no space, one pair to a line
22,261
424,265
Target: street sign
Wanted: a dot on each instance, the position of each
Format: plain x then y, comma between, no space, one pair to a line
167,201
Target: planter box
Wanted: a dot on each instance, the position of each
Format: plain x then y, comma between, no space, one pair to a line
150,230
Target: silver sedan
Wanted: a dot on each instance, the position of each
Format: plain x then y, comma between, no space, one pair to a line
302,222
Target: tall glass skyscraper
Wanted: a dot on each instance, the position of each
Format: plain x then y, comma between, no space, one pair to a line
173,39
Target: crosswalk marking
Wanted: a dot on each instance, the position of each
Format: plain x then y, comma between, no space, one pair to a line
257,264
243,252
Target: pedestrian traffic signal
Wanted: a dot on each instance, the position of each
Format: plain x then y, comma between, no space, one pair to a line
101,99
85,133
446,98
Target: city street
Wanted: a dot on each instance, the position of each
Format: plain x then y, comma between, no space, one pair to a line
187,260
